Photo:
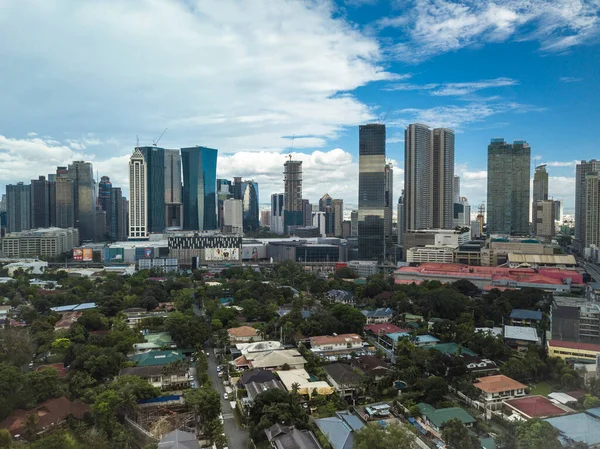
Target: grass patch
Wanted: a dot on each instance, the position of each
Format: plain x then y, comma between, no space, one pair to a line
541,388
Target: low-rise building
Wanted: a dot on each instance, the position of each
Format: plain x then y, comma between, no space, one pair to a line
327,345
579,427
419,340
66,320
243,334
573,350
343,378
379,316
527,318
364,268
300,379
154,342
179,439
431,253
271,360
371,366
341,296
533,407
158,377
288,437
498,388
575,319
520,338
134,316
339,429
47,242
433,419
157,358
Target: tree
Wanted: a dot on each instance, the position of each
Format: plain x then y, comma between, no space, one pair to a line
188,331
31,427
591,401
276,406
537,434
435,389
204,402
351,319
377,437
5,438
457,436
44,384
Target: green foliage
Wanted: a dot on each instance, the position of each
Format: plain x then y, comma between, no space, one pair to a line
44,384
591,401
537,434
187,331
276,406
205,402
14,391
375,437
5,438
457,436
435,389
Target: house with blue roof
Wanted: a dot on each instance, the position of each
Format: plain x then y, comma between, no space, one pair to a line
341,296
525,318
379,316
579,427
339,429
420,340
74,307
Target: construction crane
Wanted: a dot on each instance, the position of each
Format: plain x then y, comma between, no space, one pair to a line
159,137
382,120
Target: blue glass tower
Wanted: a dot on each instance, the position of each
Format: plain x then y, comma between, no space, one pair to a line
199,188
250,208
155,187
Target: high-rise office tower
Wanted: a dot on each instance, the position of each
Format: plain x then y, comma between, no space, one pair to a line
62,195
277,204
233,221
558,210
173,189
18,207
418,199
581,171
338,216
456,189
117,221
544,216
84,193
199,188
224,192
324,202
104,196
429,177
371,191
540,193
389,199
326,206
292,183
40,199
138,197
462,213
592,209
250,206
265,218
307,210
401,219
354,223
155,187
319,221
508,187
237,187
443,178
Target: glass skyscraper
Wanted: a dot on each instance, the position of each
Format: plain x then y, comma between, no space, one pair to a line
173,189
199,188
84,194
371,191
155,187
18,207
508,187
250,208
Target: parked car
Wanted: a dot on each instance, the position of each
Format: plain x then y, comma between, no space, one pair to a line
225,396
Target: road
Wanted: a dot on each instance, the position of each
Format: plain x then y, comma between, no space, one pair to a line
592,269
236,437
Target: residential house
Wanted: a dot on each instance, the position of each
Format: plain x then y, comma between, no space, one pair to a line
160,376
157,358
255,388
243,334
288,437
50,414
342,344
305,385
371,366
341,296
523,317
534,407
153,342
344,379
520,338
579,428
475,363
498,388
259,346
66,320
378,330
379,316
339,429
257,381
391,340
179,439
433,419
271,360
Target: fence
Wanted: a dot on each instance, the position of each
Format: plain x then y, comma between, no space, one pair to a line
141,435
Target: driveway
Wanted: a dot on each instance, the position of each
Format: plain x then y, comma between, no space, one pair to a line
236,437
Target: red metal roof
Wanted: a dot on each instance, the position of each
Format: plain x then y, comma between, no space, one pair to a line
536,407
384,328
574,345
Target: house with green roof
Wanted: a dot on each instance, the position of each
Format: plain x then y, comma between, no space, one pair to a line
153,342
154,358
433,419
452,348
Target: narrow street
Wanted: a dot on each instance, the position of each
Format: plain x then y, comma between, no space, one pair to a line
237,438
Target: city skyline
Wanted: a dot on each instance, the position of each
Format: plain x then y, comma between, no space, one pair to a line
351,63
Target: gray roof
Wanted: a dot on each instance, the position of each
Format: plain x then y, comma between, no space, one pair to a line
584,427
340,295
342,374
521,333
178,439
286,437
339,429
256,388
382,312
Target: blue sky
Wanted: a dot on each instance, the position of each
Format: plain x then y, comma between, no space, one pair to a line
82,79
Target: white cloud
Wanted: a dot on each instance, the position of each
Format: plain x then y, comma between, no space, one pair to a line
454,89
440,26
229,74
570,79
561,163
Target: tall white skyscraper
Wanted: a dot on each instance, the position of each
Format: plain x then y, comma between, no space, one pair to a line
233,221
456,189
277,207
582,169
138,198
429,177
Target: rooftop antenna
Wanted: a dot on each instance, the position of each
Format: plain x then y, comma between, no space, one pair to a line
293,138
137,140
159,137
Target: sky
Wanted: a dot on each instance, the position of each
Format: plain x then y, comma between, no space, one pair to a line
263,79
